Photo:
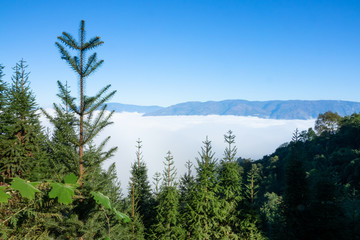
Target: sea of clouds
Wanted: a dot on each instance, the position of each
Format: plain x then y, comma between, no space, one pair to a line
183,136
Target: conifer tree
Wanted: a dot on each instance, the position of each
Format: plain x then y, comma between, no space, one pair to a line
137,228
143,198
75,128
22,146
167,217
249,210
187,183
63,144
230,191
90,127
205,205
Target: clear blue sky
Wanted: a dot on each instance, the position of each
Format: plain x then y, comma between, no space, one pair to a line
166,52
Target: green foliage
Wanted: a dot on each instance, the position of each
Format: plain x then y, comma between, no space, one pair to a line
63,192
145,203
21,152
101,199
327,123
230,188
25,188
4,197
167,217
205,205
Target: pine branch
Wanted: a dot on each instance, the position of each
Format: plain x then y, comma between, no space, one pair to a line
94,42
95,102
94,67
65,96
66,56
69,41
90,63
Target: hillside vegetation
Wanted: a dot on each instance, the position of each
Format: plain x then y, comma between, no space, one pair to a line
52,185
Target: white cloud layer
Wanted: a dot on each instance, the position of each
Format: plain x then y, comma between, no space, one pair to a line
183,136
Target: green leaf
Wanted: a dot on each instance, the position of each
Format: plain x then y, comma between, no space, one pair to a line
121,215
71,179
64,192
25,188
4,197
107,238
101,199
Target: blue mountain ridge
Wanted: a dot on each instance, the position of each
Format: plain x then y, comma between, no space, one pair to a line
119,107
275,109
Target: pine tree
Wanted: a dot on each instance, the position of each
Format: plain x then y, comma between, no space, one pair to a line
90,127
187,183
63,143
143,197
204,204
249,211
168,218
75,128
22,147
230,191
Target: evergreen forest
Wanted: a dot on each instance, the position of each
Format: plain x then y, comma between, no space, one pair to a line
53,185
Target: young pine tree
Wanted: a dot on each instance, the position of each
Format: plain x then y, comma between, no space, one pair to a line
143,200
22,147
230,191
75,128
187,183
249,211
204,204
90,127
168,218
63,144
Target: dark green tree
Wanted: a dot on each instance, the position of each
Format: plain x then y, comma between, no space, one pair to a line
296,196
144,201
230,191
249,210
327,217
187,183
63,143
204,204
168,217
22,146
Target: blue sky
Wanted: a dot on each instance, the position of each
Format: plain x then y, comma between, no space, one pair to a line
166,52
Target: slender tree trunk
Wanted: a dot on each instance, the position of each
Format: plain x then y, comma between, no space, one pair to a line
81,103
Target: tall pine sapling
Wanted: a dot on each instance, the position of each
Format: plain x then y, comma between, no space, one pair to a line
230,190
87,105
167,218
204,203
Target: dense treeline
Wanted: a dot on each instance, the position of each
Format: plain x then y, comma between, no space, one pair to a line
307,189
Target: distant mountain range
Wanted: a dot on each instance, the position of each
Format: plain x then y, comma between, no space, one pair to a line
119,107
289,109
